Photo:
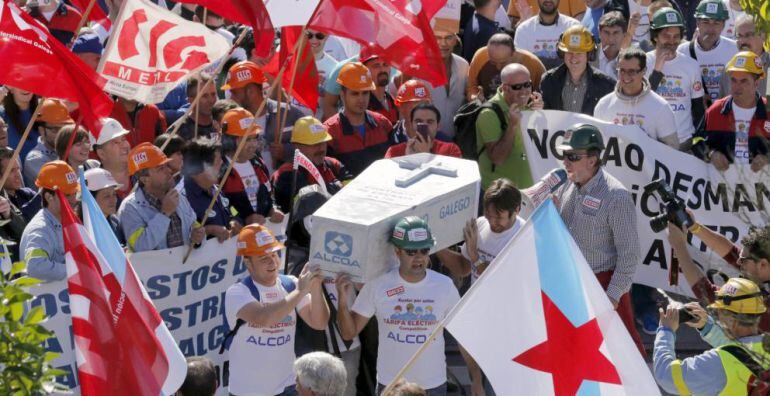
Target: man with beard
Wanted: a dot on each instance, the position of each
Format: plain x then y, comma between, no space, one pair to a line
711,50
311,138
417,286
424,119
201,112
748,38
540,33
360,136
52,116
112,149
575,86
612,29
155,216
448,98
675,76
600,214
42,243
634,103
380,100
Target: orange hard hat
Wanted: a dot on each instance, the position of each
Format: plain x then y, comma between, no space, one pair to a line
412,91
257,240
356,76
242,74
58,175
55,112
239,122
145,156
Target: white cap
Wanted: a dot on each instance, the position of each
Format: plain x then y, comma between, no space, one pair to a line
99,179
111,129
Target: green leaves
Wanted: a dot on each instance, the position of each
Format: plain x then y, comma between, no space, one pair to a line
26,364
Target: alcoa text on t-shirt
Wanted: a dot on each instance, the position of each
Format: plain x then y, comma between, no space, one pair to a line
490,243
407,313
261,358
712,63
680,84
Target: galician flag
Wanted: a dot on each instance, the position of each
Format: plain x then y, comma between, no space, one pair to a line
539,323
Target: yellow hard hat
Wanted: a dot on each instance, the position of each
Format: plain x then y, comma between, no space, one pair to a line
576,39
746,61
309,131
740,296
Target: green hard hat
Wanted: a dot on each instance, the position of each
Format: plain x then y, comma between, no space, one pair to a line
712,9
412,232
582,137
666,17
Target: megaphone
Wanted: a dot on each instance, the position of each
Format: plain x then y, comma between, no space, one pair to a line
532,197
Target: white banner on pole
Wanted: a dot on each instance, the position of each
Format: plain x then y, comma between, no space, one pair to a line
728,202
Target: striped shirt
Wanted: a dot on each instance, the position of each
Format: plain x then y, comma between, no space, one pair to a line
602,219
572,94
174,235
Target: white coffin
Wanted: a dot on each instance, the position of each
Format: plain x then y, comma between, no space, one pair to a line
350,231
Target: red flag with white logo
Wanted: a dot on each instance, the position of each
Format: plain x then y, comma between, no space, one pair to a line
248,12
35,61
399,30
152,50
305,88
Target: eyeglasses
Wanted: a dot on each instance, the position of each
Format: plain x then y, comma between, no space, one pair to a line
629,72
743,259
573,157
318,36
516,87
729,299
746,35
413,252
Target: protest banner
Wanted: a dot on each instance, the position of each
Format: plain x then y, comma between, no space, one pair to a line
189,298
728,202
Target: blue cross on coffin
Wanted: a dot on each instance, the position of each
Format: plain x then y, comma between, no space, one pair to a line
419,170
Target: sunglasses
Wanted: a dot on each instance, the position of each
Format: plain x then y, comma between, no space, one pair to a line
516,87
572,157
729,299
413,252
318,36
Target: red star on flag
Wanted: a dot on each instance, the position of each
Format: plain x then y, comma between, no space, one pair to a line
571,354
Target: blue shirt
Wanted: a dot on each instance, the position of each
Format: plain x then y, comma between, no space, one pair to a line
476,34
591,21
14,135
199,199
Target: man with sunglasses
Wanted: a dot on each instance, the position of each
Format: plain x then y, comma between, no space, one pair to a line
386,296
502,150
601,216
324,63
725,369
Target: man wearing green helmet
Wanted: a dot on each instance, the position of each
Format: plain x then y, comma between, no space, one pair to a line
599,212
401,335
710,49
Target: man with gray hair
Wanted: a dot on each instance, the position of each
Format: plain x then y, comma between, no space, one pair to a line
748,38
320,374
498,138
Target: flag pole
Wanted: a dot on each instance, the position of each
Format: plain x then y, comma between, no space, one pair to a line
15,157
230,166
82,22
302,40
195,135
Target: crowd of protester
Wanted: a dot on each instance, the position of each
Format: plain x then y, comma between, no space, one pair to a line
154,171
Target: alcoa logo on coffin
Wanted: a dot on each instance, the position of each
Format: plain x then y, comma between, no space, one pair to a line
338,248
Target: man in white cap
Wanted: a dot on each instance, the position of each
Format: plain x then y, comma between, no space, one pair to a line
104,189
112,148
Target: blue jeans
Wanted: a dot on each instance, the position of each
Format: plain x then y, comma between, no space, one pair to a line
437,391
289,391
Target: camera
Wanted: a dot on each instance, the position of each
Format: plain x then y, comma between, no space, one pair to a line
674,210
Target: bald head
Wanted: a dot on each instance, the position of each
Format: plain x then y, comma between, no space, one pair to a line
516,84
513,70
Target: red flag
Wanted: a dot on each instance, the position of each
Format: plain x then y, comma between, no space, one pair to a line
46,67
113,326
97,13
305,88
247,12
398,29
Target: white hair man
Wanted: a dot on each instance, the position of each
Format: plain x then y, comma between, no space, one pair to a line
320,374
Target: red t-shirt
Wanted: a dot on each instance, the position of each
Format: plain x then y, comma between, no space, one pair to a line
439,147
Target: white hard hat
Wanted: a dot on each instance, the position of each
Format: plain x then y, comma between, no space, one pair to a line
111,129
99,179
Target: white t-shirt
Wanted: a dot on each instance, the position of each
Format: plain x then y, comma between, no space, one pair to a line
712,63
680,84
250,181
407,313
729,30
642,32
331,289
541,40
490,243
261,358
650,112
742,123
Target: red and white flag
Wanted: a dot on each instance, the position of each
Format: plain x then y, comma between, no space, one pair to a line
36,62
118,334
290,12
305,87
152,50
399,30
301,161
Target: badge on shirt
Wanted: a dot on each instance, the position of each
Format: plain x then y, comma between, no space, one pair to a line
767,126
395,291
591,205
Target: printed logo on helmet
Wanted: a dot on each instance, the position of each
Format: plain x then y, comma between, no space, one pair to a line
398,233
139,158
264,238
729,290
71,177
246,122
243,75
420,92
316,128
363,78
418,234
574,39
241,245
671,17
712,8
740,61
757,62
